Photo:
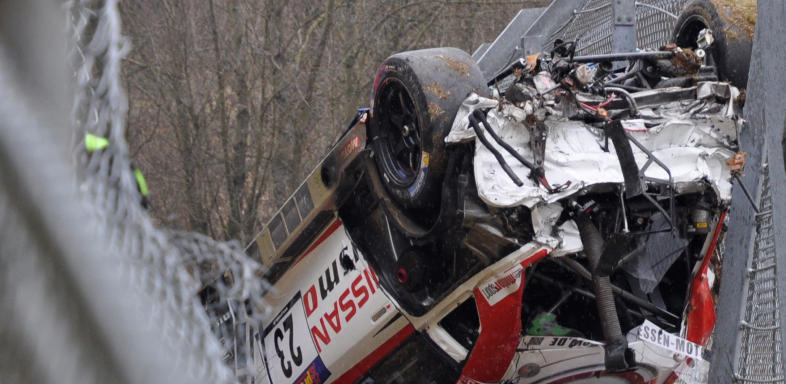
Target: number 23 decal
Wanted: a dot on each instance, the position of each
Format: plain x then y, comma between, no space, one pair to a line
295,353
289,347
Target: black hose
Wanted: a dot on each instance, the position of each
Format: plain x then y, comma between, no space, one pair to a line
473,122
480,116
616,344
607,308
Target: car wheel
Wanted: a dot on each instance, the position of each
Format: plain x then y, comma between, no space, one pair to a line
732,24
415,98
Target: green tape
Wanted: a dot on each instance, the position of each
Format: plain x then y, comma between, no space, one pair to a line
95,143
141,183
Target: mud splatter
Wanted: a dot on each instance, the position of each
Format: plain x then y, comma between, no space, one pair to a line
455,65
434,111
437,91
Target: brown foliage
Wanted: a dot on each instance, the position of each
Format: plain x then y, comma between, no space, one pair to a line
232,102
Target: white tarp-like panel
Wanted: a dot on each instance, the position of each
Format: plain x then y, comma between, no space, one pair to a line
693,138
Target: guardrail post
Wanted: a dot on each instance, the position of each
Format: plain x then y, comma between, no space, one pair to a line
624,36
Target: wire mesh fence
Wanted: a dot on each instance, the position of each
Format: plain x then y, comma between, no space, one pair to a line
92,289
593,25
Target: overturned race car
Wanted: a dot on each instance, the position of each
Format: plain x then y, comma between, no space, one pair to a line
557,224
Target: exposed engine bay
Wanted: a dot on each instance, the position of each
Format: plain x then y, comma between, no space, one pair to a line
621,164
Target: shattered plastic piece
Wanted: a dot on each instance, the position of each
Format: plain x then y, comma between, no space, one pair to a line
705,39
516,113
737,163
565,239
721,92
543,82
544,217
585,73
684,357
532,61
571,240
461,132
634,125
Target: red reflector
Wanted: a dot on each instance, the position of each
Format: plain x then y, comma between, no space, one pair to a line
401,275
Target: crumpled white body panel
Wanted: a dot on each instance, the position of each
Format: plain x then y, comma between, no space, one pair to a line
693,148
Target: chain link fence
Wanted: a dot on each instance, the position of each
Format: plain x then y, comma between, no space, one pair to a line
92,289
593,25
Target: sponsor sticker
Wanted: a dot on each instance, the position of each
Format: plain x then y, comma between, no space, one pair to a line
502,285
651,333
349,148
316,373
556,342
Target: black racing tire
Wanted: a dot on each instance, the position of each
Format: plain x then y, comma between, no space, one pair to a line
415,98
732,24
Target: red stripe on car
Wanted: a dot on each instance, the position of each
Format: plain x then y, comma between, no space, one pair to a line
701,318
499,336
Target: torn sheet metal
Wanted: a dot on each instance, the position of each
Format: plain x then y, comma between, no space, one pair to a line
564,239
693,138
461,132
558,359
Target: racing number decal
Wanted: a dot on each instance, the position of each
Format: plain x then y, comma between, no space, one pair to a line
290,353
294,352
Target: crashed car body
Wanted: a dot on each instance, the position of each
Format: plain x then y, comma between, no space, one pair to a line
560,230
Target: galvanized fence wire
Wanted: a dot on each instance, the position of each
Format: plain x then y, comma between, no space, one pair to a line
92,290
655,21
593,25
170,267
760,357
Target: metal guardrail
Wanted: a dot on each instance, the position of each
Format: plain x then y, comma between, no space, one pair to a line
761,341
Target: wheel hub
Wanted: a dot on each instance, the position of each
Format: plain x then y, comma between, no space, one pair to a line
399,134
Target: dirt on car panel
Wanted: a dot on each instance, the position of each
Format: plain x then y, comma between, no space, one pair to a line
456,65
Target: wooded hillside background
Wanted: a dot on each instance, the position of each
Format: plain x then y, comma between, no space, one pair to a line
233,102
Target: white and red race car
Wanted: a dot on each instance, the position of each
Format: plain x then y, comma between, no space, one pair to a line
560,229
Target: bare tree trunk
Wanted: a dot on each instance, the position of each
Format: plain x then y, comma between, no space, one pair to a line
234,102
